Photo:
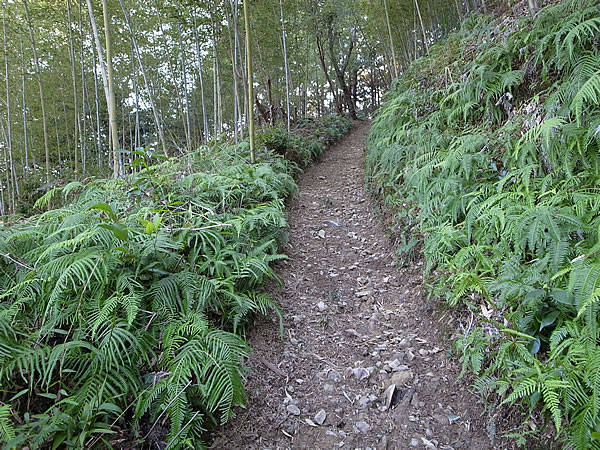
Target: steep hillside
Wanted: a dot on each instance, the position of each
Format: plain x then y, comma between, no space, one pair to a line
488,150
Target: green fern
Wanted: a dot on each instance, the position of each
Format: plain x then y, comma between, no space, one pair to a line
7,430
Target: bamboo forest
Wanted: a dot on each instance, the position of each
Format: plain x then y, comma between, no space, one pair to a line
253,224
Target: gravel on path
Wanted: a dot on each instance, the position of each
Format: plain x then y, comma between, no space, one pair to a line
362,363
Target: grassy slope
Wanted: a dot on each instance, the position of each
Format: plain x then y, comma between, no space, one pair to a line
489,150
122,313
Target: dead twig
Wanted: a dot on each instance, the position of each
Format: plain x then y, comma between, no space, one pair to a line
18,263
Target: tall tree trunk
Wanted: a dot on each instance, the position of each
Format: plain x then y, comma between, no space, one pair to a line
38,72
172,70
287,71
218,100
3,208
393,49
112,105
101,60
233,44
341,70
242,56
11,162
422,26
99,50
237,75
137,141
147,82
199,58
76,129
250,84
338,105
97,103
25,140
216,130
84,95
188,133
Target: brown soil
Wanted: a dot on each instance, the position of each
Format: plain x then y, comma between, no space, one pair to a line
355,324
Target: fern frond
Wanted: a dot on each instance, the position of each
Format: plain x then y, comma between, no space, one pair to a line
7,429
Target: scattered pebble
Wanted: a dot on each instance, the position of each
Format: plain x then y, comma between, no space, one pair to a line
293,409
334,376
364,293
320,417
360,373
361,427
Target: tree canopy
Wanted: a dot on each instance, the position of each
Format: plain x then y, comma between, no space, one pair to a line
179,75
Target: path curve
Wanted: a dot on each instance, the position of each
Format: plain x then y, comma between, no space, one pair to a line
354,325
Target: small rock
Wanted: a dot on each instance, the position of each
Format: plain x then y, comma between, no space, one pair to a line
320,417
364,293
396,366
414,442
388,395
322,306
333,223
415,400
429,444
453,419
399,378
423,352
361,427
407,397
293,409
328,388
334,376
363,402
360,373
321,234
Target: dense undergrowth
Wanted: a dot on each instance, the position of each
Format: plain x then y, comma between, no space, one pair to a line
122,313
490,151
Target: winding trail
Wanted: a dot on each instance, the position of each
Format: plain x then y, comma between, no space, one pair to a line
354,325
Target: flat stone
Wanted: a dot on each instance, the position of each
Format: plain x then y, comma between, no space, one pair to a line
364,293
293,409
320,417
399,378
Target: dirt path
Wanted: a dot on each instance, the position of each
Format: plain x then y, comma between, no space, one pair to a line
354,326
